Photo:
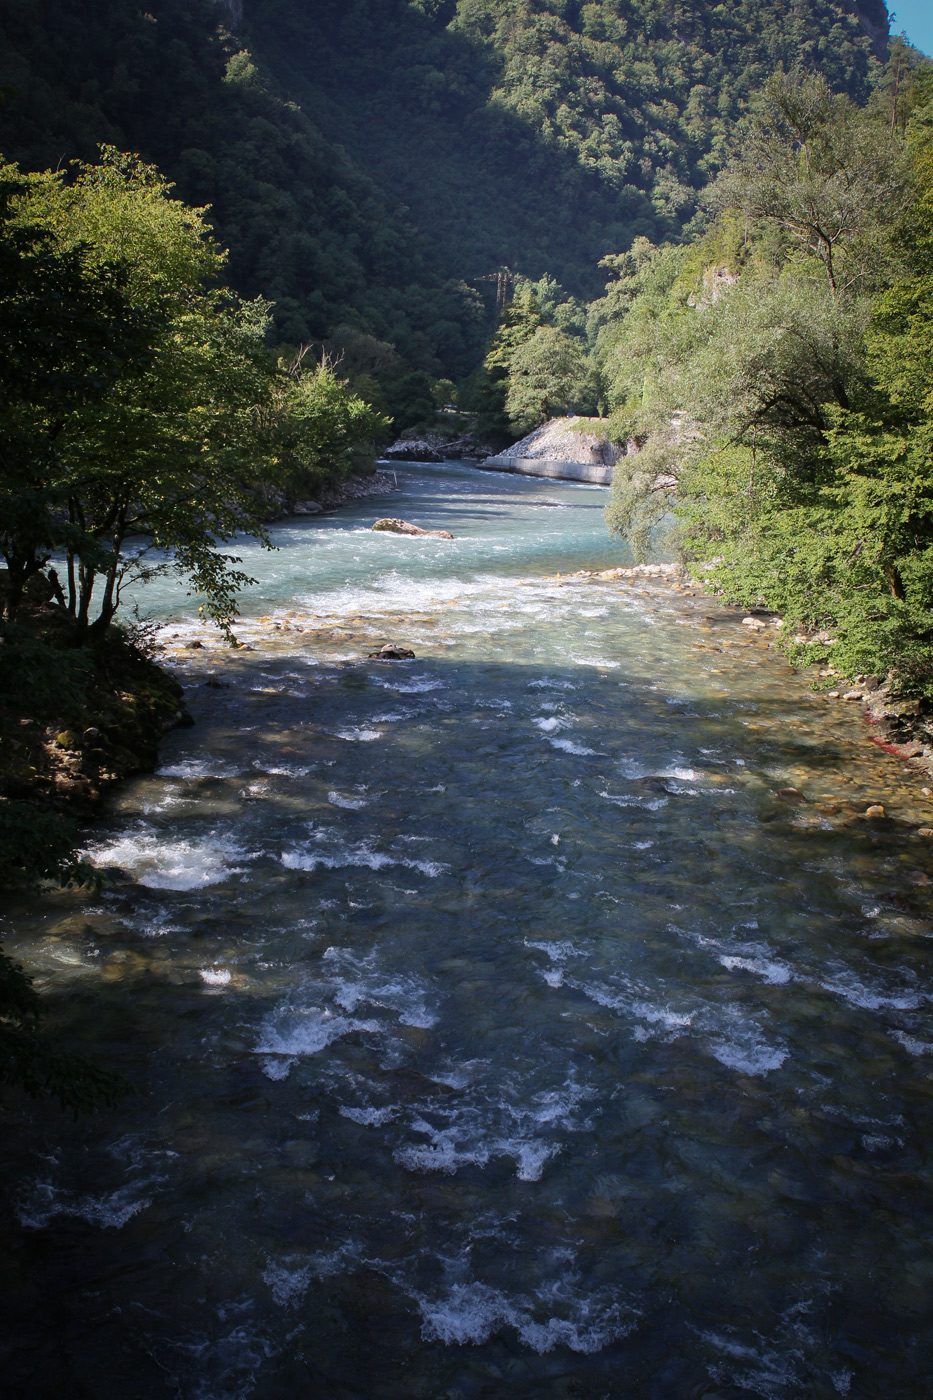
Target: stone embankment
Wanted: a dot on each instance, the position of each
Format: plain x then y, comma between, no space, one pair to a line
563,449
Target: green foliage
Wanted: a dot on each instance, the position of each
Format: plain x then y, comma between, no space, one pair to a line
369,165
780,390
328,430
545,375
167,451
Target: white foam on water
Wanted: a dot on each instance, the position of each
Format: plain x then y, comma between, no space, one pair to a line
551,724
43,1202
740,1045
360,981
415,685
676,768
845,984
775,973
469,1312
636,1003
493,1120
393,594
161,862
369,1117
322,1010
912,1044
282,770
551,683
288,1282
650,804
570,746
215,976
557,952
197,766
294,1032
358,734
277,1067
325,849
352,804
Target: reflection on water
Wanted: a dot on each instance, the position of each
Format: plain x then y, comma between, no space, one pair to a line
502,1032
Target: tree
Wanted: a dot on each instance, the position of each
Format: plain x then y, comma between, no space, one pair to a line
69,332
327,429
545,374
829,179
171,456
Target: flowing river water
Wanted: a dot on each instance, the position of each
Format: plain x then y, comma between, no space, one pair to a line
499,1031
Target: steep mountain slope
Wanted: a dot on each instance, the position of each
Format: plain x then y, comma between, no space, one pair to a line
543,134
366,159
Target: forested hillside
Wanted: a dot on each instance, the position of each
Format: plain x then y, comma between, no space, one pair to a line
774,378
369,162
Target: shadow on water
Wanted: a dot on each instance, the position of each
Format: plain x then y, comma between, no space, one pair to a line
499,1030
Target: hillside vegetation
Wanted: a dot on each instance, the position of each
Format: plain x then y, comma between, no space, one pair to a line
370,162
774,377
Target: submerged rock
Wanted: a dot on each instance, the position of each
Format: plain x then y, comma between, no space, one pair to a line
404,527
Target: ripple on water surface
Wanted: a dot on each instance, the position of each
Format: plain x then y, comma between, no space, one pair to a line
501,1028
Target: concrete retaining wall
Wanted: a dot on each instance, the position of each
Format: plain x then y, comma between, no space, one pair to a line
546,466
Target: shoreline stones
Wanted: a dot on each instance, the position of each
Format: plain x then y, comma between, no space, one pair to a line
903,727
393,526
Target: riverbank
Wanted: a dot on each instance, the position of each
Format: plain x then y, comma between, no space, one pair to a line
75,721
904,725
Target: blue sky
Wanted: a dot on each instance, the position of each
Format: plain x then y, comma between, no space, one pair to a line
916,17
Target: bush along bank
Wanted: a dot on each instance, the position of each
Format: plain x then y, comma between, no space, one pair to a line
74,720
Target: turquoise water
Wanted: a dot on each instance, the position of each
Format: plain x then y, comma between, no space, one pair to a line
500,1031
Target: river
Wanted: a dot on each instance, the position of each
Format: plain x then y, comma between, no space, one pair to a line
499,1031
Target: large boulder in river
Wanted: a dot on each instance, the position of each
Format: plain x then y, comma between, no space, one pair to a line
404,527
412,450
392,652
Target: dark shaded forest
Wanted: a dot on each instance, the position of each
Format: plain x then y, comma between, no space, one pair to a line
370,165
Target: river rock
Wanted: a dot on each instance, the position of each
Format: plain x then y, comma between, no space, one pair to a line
790,794
391,652
307,508
413,450
875,810
753,624
404,527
